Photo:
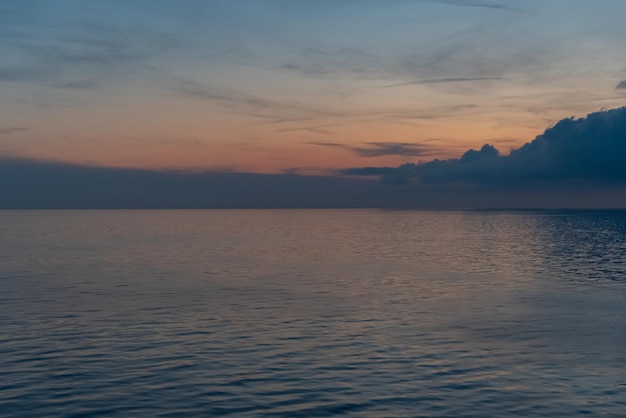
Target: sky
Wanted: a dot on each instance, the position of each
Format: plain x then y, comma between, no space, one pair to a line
353,90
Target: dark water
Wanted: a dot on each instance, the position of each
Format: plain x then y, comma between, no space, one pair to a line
312,314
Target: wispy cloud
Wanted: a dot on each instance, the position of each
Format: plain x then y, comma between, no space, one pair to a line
73,47
11,130
330,144
251,105
381,149
320,130
293,111
445,81
474,3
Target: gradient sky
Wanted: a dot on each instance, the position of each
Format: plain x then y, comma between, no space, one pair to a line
276,85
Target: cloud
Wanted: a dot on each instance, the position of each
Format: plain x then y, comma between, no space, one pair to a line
329,144
28,183
621,85
33,184
77,45
272,110
591,149
289,110
444,81
381,149
471,3
11,130
424,55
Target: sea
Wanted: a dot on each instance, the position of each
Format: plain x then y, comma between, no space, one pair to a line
312,313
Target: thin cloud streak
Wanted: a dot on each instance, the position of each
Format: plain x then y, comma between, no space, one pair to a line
445,81
12,130
473,4
382,149
278,111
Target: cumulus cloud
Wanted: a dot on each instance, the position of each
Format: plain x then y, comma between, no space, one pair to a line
587,149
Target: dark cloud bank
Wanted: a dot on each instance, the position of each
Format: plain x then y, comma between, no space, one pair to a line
35,184
592,149
577,163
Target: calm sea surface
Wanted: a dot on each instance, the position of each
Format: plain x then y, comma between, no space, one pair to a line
317,313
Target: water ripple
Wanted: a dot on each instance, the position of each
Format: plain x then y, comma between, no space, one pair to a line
312,314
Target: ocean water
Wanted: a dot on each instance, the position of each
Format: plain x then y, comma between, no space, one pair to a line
297,313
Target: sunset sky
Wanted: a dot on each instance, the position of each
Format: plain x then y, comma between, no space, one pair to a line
303,86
